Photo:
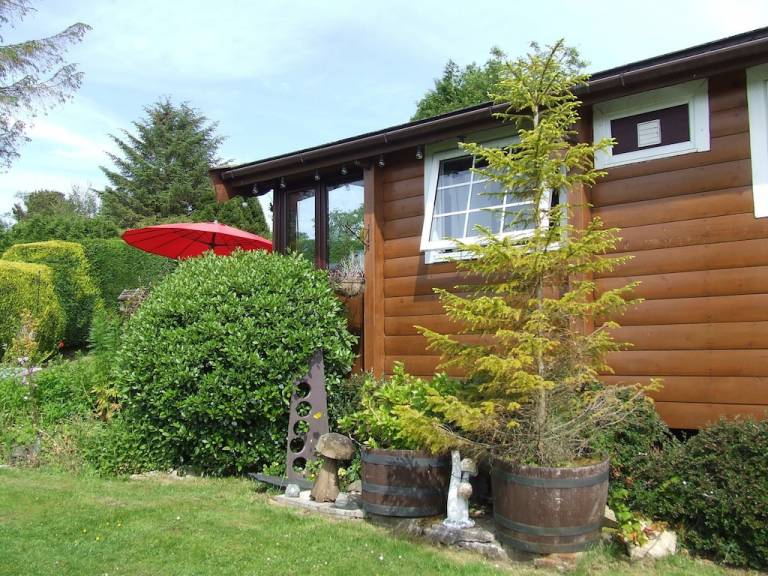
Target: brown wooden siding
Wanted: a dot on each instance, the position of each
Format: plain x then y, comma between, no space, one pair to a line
701,257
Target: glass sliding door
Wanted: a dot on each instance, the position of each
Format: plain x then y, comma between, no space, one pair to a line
300,228
345,224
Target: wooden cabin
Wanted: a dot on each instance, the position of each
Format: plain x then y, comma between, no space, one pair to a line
687,183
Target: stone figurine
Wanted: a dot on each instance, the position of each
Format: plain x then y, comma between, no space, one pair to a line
459,492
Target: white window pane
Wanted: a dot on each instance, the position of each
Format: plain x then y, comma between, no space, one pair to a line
486,194
456,171
486,218
451,199
445,227
518,218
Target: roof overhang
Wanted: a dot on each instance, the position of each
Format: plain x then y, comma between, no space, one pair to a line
735,52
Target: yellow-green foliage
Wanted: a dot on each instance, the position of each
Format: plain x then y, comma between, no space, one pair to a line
532,393
77,293
29,287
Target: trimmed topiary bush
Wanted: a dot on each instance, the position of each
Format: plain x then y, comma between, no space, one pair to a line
116,266
29,287
74,287
207,363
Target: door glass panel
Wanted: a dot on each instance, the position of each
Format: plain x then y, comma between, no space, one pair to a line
345,223
301,223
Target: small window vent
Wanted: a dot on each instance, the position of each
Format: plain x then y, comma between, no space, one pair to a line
649,133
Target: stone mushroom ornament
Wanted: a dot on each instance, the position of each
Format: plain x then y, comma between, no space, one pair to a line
460,491
333,448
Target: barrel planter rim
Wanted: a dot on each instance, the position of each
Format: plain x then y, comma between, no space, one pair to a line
401,452
532,469
577,489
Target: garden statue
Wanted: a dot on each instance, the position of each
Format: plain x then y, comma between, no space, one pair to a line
333,447
459,491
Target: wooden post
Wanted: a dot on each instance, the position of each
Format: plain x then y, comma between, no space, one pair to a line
373,315
219,188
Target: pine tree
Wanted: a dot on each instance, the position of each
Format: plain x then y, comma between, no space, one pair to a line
161,172
32,77
539,332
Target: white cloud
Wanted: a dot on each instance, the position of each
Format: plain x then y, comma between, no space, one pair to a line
68,143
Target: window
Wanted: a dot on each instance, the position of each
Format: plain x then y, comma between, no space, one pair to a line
301,223
458,200
345,223
323,221
654,124
757,98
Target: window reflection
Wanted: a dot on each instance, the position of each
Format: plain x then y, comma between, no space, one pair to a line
345,223
301,223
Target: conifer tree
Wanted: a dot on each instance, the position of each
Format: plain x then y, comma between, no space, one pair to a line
539,331
33,76
161,172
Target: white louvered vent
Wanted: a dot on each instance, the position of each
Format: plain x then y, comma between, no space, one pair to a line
648,133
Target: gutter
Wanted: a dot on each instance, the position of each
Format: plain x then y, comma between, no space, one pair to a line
368,145
719,56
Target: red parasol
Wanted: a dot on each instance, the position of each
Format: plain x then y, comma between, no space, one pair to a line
192,239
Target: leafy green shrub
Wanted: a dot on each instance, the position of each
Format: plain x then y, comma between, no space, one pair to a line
116,266
117,448
70,227
208,361
29,287
633,445
714,488
63,390
60,392
379,421
74,287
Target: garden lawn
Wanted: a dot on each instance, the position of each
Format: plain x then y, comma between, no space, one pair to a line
61,524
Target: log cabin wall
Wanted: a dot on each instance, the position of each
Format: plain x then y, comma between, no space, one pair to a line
701,255
408,282
702,259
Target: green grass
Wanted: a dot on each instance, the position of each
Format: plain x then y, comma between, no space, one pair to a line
61,524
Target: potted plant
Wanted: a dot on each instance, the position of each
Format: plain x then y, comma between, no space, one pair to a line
348,277
399,477
532,399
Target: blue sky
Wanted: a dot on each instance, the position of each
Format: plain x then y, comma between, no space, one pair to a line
279,76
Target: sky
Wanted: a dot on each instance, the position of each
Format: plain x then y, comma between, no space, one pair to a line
280,76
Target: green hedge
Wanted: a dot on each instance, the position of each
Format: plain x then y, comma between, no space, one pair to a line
208,361
29,287
116,266
74,287
713,488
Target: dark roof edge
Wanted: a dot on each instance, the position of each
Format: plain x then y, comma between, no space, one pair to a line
695,59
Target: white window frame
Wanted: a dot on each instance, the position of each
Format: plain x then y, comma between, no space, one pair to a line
757,100
445,250
694,93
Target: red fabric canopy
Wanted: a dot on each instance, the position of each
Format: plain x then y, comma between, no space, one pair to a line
192,239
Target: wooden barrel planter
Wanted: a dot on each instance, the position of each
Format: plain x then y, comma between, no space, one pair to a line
549,510
405,483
